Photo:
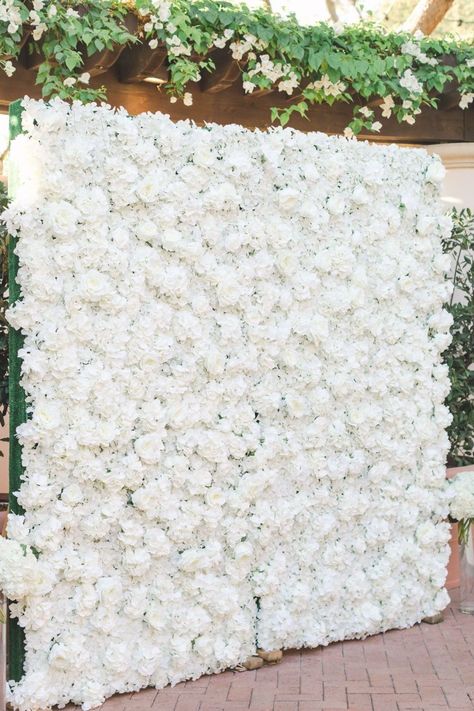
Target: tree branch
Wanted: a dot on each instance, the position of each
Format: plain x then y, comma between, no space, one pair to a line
331,6
426,16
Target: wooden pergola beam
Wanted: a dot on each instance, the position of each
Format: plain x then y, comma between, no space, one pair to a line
233,106
140,63
226,73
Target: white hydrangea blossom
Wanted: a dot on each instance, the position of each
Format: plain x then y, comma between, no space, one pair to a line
20,572
461,488
232,359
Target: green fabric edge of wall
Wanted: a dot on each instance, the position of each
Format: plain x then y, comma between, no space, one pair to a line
17,404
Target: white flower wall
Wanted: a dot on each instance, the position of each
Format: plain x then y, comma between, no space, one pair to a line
232,362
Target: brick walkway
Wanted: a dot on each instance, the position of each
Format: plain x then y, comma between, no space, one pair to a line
427,668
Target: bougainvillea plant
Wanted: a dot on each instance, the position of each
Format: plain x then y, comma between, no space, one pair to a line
380,73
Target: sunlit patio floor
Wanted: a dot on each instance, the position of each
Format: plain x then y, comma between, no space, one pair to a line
428,667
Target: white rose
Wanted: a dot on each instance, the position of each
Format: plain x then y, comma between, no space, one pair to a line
136,603
17,528
150,362
72,494
148,188
47,415
149,448
147,498
131,533
105,432
85,599
319,328
212,447
436,171
380,471
192,560
424,224
289,357
287,261
229,292
323,260
441,321
442,263
157,542
243,551
156,616
194,176
152,412
288,199
171,240
233,241
173,280
137,561
296,405
360,195
203,156
95,285
215,497
110,590
204,645
266,361
117,657
147,231
215,362
63,217
336,205
60,657
121,237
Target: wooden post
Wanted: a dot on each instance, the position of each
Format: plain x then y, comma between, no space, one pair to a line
17,406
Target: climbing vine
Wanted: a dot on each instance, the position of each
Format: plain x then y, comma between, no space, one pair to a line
381,74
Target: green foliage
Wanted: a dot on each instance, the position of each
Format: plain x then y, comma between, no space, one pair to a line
365,62
68,38
3,307
460,354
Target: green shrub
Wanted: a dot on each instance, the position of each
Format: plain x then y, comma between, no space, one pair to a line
460,354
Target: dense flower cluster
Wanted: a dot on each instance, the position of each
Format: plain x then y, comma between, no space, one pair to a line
232,363
20,572
462,496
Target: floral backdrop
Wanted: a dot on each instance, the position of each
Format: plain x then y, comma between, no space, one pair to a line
232,364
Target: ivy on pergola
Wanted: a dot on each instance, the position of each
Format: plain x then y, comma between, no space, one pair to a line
179,44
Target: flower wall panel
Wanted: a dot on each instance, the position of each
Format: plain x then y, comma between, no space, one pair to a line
232,362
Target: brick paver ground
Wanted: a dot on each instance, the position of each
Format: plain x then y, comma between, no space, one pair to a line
427,668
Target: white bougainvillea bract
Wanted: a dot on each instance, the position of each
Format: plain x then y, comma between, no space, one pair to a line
233,373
